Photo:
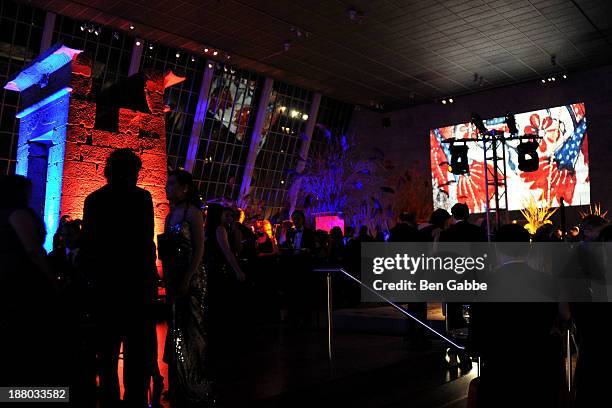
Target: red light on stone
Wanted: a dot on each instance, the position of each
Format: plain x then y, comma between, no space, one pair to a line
87,148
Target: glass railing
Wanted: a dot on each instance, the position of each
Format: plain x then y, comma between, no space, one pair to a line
330,271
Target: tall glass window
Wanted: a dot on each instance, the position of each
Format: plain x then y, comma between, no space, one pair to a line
181,98
332,122
110,50
225,136
286,116
21,29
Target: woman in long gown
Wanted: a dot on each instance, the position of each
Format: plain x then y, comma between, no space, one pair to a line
225,276
181,251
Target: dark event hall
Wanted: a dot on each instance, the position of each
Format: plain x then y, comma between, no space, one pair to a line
286,204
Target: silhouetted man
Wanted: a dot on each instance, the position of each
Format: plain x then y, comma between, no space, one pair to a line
405,230
516,340
118,248
462,230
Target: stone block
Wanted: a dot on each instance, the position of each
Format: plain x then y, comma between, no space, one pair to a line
82,112
78,134
130,121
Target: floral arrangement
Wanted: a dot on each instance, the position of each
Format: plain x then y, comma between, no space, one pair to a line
536,216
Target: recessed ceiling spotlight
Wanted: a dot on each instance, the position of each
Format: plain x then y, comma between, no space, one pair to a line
564,76
443,101
553,79
215,52
210,65
543,81
132,26
451,100
205,49
192,59
151,46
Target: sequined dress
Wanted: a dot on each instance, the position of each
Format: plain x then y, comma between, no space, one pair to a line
186,342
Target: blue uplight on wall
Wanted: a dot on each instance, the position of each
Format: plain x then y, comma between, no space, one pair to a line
42,132
52,134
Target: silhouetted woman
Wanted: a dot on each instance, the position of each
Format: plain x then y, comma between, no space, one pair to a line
28,291
224,275
181,251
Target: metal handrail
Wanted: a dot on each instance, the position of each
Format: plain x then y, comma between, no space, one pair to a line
329,271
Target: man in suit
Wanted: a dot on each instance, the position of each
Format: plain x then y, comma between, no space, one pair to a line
301,239
118,250
461,229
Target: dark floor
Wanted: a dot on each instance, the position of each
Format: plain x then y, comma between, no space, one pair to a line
284,369
277,367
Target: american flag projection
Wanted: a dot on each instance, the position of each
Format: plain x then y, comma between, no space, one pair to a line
563,161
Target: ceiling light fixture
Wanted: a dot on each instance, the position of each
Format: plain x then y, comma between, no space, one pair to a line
132,26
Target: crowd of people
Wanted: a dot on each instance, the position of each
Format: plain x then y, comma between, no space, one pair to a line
94,298
72,314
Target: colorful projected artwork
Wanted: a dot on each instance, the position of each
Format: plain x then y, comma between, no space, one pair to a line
230,103
563,161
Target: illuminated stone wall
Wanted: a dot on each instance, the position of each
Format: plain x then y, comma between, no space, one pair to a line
87,148
64,154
